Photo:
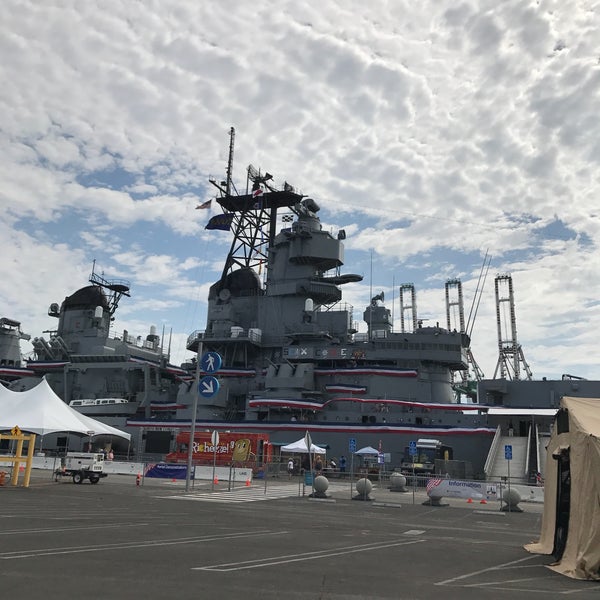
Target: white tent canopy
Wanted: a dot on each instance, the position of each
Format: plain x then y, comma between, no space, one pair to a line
300,446
367,451
39,410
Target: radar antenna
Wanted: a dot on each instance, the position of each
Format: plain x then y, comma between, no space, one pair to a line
116,287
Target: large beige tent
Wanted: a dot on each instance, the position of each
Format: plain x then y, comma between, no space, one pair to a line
571,520
39,410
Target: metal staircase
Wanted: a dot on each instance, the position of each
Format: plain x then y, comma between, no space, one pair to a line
518,464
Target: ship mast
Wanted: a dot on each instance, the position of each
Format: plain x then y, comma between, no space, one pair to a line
116,288
253,215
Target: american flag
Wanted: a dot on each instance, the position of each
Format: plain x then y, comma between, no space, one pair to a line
431,483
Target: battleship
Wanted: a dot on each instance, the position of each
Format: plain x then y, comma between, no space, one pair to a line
293,357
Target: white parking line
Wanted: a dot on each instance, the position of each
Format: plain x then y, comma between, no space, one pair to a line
290,558
123,545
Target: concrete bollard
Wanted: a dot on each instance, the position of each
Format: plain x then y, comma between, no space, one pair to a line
511,498
398,483
364,488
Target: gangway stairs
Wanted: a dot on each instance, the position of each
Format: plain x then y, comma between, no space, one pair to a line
518,463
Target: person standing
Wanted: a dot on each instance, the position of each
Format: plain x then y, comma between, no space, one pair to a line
290,468
342,464
319,466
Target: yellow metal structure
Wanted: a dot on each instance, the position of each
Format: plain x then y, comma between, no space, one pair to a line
18,458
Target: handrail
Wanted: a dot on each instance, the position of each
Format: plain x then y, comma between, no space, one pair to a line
491,457
527,452
541,466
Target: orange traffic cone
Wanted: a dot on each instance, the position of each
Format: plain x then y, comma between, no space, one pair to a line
248,482
483,501
470,501
138,479
216,480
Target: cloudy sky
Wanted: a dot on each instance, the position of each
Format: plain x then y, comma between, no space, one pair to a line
432,132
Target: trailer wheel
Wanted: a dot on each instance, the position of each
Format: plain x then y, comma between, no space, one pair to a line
78,477
94,478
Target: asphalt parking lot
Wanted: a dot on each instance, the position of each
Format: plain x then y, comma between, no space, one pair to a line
119,540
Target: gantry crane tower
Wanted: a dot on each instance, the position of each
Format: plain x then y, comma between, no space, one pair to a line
408,305
511,357
455,320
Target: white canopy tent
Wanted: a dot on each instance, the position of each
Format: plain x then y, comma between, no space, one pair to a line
39,410
300,446
367,451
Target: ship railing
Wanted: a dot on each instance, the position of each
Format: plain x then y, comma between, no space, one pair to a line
253,334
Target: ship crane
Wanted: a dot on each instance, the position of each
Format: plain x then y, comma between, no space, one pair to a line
511,357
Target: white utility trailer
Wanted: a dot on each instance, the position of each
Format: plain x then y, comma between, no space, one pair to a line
81,466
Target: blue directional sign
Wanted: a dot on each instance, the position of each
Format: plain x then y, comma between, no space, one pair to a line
508,452
412,448
352,445
208,386
211,362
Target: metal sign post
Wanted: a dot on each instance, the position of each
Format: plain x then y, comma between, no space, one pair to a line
308,443
214,438
508,457
188,471
352,450
206,387
412,450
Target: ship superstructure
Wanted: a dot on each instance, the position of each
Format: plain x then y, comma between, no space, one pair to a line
102,373
293,358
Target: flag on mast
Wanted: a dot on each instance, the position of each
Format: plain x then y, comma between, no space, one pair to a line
221,222
204,204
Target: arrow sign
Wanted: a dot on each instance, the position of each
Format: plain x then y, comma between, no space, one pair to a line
208,386
508,452
211,362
